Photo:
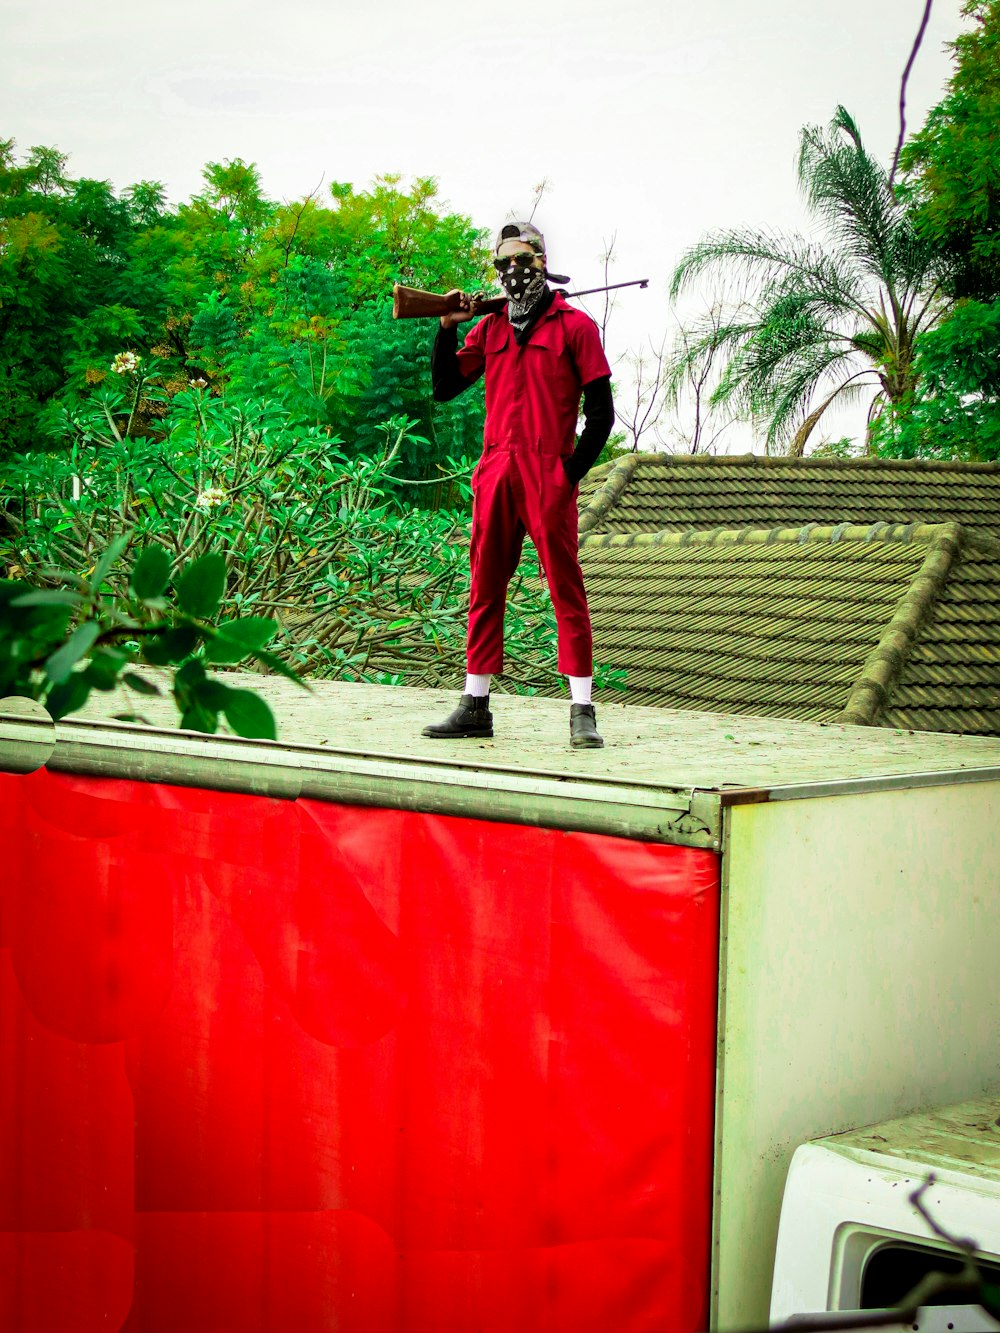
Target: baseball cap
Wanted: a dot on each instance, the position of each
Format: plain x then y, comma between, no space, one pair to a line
520,231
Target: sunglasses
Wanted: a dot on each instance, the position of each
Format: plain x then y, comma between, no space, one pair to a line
522,260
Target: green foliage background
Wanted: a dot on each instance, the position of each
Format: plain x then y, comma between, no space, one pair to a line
278,301
952,186
224,378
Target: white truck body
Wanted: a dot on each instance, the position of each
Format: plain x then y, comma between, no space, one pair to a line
850,1236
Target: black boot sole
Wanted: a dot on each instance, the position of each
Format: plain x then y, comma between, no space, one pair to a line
587,743
464,734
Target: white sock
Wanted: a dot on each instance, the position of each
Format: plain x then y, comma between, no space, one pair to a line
478,686
580,688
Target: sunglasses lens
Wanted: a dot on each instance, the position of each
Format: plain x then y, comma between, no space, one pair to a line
512,261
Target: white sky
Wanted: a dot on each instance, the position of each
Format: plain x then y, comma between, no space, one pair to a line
654,122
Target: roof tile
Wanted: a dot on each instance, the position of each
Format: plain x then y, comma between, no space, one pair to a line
850,622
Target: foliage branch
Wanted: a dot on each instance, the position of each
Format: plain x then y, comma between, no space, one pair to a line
61,642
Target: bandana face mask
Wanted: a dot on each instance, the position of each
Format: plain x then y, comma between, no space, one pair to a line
519,277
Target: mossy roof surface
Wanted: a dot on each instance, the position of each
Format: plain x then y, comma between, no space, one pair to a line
650,748
681,493
890,625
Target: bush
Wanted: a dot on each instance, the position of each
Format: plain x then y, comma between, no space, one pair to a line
362,586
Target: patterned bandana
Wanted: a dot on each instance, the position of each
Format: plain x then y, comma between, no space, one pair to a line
519,309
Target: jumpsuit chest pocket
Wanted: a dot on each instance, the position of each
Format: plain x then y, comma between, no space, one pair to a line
547,338
497,338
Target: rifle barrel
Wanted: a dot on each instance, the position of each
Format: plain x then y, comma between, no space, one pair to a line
589,291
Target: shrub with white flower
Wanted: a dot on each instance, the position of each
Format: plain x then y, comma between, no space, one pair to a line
125,363
211,497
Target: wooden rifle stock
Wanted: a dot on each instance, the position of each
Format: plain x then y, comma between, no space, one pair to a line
412,303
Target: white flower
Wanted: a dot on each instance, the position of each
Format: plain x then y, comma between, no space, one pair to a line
125,363
211,497
198,384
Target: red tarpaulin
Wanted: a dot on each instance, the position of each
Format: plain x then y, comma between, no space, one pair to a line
286,1065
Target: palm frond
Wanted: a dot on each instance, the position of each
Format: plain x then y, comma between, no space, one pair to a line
760,257
699,345
817,318
772,376
850,388
850,191
791,402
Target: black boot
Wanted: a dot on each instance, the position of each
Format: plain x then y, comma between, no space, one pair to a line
472,717
583,733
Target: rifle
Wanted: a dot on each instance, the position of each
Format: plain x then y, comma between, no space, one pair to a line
412,303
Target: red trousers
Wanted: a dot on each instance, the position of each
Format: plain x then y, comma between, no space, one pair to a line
520,489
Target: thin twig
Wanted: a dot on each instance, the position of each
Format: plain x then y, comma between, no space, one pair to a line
902,89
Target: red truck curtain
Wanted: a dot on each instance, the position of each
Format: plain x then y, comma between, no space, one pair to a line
286,1065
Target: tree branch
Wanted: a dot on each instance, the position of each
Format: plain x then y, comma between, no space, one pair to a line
902,89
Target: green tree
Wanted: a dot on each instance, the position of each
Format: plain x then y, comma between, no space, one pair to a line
952,187
819,320
289,300
955,412
952,164
65,295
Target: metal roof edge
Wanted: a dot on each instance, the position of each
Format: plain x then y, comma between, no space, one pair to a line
645,811
802,791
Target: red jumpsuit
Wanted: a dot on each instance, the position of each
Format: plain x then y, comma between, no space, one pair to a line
519,485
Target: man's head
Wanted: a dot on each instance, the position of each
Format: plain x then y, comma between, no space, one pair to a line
519,259
519,250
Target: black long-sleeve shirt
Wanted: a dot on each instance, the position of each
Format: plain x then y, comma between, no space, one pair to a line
448,382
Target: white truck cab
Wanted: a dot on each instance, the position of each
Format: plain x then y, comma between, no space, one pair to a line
850,1237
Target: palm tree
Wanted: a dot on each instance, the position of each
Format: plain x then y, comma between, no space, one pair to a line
819,321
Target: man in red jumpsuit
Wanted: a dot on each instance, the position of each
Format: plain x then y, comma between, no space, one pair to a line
538,355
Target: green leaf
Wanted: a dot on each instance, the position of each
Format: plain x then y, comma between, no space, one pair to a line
46,597
173,645
140,684
105,667
249,715
254,631
222,650
107,560
150,574
43,627
190,674
66,698
275,663
236,639
212,693
200,586
196,717
62,661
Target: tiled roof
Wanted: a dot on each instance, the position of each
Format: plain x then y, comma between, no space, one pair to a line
895,626
683,493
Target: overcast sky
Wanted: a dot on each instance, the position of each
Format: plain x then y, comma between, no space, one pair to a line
652,120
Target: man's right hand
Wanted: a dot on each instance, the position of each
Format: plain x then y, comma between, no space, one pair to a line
459,316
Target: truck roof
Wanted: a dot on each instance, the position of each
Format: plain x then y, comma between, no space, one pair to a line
963,1138
665,775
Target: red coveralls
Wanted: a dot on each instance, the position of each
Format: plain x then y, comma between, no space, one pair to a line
519,485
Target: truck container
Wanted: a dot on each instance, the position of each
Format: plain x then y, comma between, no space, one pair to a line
359,1030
